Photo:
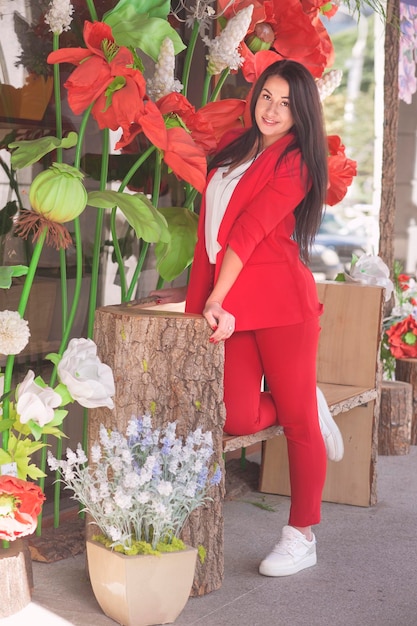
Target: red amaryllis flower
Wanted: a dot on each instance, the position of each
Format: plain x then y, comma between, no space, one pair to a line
223,115
298,36
327,8
402,338
341,170
107,75
20,504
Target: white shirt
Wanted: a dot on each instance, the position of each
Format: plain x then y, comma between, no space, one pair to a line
218,194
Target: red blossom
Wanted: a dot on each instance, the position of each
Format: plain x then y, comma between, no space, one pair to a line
27,499
341,170
402,338
298,36
106,77
403,281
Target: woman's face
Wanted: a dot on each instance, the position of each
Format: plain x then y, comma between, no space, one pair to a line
272,111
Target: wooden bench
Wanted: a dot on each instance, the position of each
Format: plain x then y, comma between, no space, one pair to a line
348,373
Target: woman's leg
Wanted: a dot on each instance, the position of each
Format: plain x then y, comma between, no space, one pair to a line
289,359
247,409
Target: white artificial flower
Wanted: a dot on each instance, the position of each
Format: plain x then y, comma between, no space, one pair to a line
223,50
59,15
14,332
95,453
89,381
328,83
372,270
122,499
163,81
34,402
164,488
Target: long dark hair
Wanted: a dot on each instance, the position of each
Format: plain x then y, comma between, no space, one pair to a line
309,138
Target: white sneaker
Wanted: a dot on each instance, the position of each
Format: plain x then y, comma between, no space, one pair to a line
331,434
291,554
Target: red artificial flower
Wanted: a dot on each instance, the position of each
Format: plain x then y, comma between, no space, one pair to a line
298,36
341,170
324,6
106,76
402,338
403,281
20,504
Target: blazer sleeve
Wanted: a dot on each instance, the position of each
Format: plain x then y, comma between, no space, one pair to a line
268,209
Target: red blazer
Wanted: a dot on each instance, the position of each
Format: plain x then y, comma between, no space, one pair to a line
274,287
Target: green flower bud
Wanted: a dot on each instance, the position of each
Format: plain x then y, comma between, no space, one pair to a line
58,193
262,38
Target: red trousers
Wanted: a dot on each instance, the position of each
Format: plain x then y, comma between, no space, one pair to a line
286,356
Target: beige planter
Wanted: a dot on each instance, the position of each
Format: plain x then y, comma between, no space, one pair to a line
141,590
16,578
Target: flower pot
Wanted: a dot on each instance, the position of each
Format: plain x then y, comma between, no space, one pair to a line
141,590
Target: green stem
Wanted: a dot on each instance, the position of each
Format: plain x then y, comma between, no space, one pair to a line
206,88
126,295
92,9
225,73
189,56
8,373
138,269
98,236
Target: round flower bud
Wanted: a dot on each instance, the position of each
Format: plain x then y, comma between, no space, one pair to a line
262,38
58,193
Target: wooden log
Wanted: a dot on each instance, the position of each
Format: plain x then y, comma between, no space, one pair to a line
16,579
163,362
406,370
394,431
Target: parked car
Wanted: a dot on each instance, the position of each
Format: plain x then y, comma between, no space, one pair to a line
345,239
324,262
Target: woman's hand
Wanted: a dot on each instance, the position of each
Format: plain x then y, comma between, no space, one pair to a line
220,321
169,295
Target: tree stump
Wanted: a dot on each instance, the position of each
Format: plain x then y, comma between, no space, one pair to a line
395,418
406,370
163,362
16,579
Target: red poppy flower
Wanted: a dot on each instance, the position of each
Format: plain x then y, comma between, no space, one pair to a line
20,505
341,170
402,338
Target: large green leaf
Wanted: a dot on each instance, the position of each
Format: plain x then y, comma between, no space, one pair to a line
173,258
141,30
155,8
7,272
25,153
148,223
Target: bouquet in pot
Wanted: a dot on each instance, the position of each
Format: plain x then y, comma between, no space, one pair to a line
140,488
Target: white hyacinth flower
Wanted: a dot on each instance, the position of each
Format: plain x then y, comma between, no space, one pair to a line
59,16
328,83
14,332
223,50
163,81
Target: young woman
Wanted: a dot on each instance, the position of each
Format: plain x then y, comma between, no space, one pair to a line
260,212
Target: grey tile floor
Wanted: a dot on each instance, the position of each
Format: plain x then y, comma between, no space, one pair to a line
366,573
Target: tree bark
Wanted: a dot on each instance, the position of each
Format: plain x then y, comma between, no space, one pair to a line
163,363
406,370
389,150
395,418
16,579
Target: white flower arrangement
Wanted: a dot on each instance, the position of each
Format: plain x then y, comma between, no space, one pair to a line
14,332
38,409
223,50
140,488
